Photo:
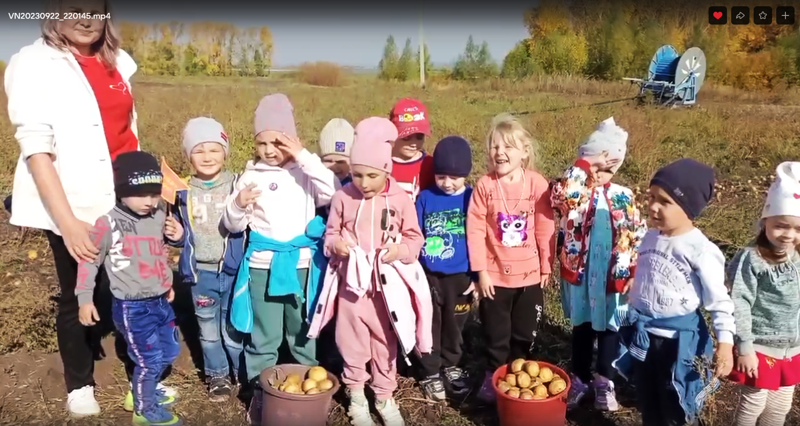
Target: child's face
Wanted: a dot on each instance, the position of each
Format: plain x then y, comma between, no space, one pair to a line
339,164
207,160
505,157
450,184
605,176
663,212
408,147
267,143
369,181
143,204
783,232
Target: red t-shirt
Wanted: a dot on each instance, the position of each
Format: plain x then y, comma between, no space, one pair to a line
115,102
414,176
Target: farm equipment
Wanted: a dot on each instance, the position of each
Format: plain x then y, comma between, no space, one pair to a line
673,79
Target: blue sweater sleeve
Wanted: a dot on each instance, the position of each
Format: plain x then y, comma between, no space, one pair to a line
420,205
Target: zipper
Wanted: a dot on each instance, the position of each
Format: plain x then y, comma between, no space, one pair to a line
797,319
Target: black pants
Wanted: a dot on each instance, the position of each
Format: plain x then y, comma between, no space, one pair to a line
450,312
510,323
656,397
583,347
79,345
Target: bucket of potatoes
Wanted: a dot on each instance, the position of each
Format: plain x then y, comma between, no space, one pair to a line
291,379
530,380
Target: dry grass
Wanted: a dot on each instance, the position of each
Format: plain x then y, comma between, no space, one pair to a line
743,135
325,74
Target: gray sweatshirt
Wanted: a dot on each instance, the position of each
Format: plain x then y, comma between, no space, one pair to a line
207,201
766,297
134,253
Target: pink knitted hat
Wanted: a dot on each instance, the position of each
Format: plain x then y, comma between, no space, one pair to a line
372,146
275,112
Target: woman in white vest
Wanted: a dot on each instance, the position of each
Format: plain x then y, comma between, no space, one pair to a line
69,98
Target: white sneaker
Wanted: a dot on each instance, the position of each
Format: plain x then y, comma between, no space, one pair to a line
81,402
390,413
168,390
359,409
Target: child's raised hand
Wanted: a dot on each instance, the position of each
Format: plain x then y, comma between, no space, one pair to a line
392,251
173,229
748,364
485,286
723,359
342,248
290,146
88,315
247,196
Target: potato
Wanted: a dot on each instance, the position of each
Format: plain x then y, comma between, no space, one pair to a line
540,390
526,394
523,380
317,374
308,384
557,386
511,380
545,374
532,368
293,378
282,386
324,385
503,386
513,392
293,388
312,391
535,382
516,365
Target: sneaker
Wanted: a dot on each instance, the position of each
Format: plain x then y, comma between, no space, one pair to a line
456,379
254,410
164,400
167,390
359,409
158,417
487,393
390,412
433,388
577,392
81,402
219,389
605,399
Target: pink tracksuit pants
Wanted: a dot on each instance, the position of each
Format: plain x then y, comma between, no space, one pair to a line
364,335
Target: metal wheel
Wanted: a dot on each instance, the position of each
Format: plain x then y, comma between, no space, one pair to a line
692,62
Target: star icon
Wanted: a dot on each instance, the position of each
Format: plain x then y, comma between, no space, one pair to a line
684,301
762,15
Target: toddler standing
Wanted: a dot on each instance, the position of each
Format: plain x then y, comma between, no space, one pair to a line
373,232
510,238
601,229
442,212
664,332
131,242
765,287
412,167
335,141
276,198
211,254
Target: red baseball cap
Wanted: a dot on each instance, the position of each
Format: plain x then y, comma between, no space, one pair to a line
410,116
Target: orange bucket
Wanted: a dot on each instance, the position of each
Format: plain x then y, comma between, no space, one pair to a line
526,412
284,409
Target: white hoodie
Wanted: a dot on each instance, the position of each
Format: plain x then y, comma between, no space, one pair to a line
289,199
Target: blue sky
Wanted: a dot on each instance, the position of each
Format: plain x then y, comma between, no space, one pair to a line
348,38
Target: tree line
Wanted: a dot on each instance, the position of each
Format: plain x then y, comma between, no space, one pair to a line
200,48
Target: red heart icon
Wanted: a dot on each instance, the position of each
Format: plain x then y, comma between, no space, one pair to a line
717,15
797,196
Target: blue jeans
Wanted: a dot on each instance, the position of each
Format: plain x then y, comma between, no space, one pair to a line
219,340
148,327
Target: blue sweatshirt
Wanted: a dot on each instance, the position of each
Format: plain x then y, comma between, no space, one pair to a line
443,221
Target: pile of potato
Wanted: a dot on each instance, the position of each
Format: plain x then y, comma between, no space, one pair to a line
527,380
316,381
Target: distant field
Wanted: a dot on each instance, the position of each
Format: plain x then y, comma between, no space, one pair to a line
743,135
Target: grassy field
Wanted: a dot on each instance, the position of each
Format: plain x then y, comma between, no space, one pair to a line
743,135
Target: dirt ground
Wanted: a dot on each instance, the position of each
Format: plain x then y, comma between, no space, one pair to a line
32,390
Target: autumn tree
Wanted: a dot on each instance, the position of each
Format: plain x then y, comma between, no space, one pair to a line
518,63
476,62
388,67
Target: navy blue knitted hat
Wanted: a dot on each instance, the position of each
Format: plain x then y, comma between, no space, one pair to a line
452,157
689,182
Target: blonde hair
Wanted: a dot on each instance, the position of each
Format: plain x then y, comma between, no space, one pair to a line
512,132
105,47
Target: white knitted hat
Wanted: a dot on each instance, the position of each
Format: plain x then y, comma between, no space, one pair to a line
607,137
336,138
201,130
783,198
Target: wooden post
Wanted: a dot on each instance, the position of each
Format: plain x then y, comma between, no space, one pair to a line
421,51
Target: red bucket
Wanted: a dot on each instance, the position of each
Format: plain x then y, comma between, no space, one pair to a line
525,412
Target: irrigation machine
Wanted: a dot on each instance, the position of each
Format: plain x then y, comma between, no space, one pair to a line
673,79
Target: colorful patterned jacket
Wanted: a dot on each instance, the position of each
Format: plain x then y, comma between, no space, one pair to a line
575,201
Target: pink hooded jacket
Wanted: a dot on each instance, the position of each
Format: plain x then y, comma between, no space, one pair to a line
371,224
